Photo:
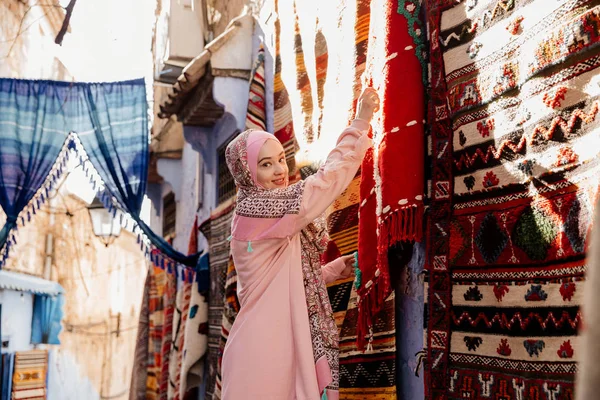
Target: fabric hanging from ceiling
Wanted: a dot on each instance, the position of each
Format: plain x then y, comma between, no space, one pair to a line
392,185
106,123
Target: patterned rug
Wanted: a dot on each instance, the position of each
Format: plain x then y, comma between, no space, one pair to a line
169,299
156,322
282,114
220,229
29,376
195,345
392,186
230,311
182,308
363,375
303,85
139,373
514,138
256,117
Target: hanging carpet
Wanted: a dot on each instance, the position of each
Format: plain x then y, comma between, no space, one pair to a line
29,376
220,229
514,116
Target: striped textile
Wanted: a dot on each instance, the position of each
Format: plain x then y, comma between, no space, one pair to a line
103,115
139,373
182,308
230,311
514,114
303,85
220,229
195,345
256,117
362,375
392,188
155,327
29,376
169,298
282,114
321,63
107,126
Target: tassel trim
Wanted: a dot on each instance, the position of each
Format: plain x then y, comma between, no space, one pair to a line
403,224
40,198
73,147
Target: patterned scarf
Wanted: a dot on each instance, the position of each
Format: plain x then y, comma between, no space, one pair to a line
269,206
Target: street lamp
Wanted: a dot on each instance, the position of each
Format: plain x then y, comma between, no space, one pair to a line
106,228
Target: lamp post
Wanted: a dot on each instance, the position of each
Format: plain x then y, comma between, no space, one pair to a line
106,228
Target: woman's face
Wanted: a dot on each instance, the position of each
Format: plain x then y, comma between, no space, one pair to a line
272,170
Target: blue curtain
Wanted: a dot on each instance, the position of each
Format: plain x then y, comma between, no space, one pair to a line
47,317
120,154
32,133
111,122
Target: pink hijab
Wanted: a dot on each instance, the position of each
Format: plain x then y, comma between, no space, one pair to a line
254,143
263,210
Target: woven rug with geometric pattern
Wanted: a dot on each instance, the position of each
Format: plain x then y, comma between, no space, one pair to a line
29,376
514,149
220,229
363,375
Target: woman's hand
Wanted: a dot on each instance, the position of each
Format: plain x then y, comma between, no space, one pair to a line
348,266
368,104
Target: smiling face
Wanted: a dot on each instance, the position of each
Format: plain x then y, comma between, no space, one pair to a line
272,170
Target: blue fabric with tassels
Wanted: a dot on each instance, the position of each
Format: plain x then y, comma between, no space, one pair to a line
41,120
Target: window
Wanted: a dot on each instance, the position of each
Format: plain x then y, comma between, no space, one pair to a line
226,184
169,215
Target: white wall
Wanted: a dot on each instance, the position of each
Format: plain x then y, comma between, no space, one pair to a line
17,311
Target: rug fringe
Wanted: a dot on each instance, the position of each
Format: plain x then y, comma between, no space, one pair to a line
402,225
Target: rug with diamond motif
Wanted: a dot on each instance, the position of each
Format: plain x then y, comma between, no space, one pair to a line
370,374
514,131
220,229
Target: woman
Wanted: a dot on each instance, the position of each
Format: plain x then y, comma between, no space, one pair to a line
284,342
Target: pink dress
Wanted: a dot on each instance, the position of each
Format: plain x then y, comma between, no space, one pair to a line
269,353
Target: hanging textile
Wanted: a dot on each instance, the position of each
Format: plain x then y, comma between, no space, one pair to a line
362,375
155,327
230,311
33,135
139,372
106,122
513,110
196,330
47,317
182,309
256,117
169,297
303,85
220,229
29,377
392,187
282,113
